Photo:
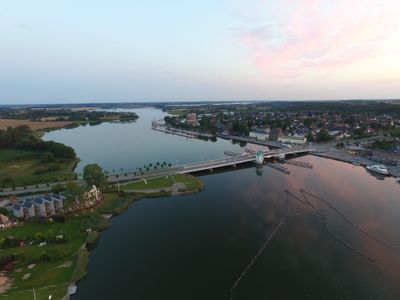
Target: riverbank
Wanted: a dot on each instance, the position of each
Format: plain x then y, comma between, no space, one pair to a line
344,157
52,267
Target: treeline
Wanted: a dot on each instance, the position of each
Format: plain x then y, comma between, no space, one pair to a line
64,115
342,107
22,138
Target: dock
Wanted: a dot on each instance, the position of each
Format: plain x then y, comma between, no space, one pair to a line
232,154
301,164
280,168
181,132
274,144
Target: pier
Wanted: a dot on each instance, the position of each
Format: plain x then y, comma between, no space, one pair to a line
181,132
279,168
297,163
231,153
268,143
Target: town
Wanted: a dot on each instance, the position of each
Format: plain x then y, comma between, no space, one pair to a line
294,123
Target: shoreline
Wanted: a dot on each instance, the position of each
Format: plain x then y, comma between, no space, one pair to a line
113,204
138,195
346,158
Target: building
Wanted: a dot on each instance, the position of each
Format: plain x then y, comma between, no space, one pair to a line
275,134
297,140
49,204
58,202
29,210
40,207
191,119
259,135
18,211
92,196
4,221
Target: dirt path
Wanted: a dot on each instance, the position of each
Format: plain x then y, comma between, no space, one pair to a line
5,283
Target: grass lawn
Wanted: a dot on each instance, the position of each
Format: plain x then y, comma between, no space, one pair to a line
21,168
49,276
160,182
176,111
191,182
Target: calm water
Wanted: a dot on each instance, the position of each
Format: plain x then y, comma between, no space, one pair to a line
196,246
130,145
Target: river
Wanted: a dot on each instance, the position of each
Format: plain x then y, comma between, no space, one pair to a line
197,246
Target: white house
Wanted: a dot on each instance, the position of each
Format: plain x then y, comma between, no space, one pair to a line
18,210
29,210
92,196
40,207
58,202
4,221
49,203
298,140
259,136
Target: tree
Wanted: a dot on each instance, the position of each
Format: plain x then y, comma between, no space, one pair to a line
323,136
309,137
93,175
4,211
57,188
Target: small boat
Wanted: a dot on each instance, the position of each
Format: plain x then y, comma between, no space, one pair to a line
380,169
398,179
356,163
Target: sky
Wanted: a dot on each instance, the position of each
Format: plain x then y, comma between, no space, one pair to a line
70,51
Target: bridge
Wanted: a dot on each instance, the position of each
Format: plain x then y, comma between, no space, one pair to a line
240,159
232,159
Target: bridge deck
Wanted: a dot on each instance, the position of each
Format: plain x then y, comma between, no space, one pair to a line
209,165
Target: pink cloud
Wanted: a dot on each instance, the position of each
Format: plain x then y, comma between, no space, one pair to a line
319,34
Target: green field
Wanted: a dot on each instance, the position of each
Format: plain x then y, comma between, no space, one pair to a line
176,111
48,276
161,182
191,182
10,155
65,262
22,168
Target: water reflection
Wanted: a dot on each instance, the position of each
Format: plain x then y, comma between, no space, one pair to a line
130,145
196,246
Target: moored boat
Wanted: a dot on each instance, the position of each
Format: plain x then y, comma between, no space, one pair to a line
380,169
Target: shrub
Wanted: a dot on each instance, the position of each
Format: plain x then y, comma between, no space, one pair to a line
42,256
40,237
57,188
60,218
